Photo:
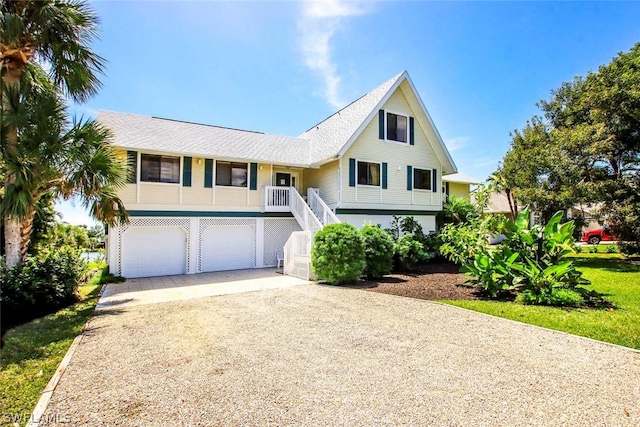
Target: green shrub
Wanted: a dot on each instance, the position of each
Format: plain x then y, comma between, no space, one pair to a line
378,251
629,248
338,254
559,297
593,249
461,243
409,252
40,285
612,249
578,249
459,210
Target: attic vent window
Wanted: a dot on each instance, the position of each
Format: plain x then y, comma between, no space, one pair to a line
397,127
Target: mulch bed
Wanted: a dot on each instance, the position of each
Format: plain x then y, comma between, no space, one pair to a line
435,281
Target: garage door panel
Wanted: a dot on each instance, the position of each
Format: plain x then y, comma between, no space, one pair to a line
227,248
153,251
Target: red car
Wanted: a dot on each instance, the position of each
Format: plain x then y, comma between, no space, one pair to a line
604,234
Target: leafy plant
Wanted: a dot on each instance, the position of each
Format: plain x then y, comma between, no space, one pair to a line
458,210
629,248
40,285
338,254
530,259
460,243
409,252
560,297
378,251
593,249
612,249
492,270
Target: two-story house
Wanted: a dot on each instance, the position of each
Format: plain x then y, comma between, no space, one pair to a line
207,198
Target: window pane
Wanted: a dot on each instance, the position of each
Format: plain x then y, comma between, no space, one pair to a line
362,173
396,127
368,173
223,173
170,169
239,174
391,126
150,168
401,129
374,174
422,179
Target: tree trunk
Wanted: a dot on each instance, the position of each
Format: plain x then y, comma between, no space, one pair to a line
12,234
12,241
25,233
508,193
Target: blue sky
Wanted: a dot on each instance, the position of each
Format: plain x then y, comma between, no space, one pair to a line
281,67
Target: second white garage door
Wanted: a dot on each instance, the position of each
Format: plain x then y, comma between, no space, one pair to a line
227,248
154,251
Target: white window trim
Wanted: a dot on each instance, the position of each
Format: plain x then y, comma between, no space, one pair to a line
215,167
155,182
407,142
367,185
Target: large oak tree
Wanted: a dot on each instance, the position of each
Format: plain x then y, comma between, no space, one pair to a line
585,148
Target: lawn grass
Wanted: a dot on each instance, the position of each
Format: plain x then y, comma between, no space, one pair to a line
33,351
617,280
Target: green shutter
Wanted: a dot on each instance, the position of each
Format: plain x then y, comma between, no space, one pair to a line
186,172
384,176
352,172
208,173
253,177
409,178
381,124
412,140
434,180
132,162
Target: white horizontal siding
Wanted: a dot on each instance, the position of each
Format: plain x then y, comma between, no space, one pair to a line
368,147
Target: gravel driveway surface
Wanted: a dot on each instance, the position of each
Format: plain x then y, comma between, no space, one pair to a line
318,355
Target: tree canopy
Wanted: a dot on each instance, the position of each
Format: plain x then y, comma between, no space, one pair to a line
585,147
44,151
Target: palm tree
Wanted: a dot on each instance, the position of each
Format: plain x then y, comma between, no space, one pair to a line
41,150
498,181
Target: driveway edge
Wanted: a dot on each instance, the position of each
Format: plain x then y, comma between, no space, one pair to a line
511,320
45,396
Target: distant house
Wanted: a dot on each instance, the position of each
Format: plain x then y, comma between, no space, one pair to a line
459,185
207,198
588,213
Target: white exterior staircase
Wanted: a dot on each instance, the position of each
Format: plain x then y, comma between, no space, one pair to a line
312,215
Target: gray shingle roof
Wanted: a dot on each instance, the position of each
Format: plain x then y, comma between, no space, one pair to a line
155,134
329,136
320,143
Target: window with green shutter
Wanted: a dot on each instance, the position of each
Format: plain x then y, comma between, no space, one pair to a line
186,171
132,162
208,173
253,176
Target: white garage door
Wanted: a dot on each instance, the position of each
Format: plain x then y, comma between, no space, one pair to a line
154,251
227,248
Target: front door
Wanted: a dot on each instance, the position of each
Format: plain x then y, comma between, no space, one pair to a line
283,179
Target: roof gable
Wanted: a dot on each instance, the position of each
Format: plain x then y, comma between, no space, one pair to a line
332,137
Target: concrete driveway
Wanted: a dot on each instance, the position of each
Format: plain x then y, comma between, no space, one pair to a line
318,355
153,290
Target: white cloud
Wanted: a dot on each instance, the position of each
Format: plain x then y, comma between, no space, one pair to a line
319,22
455,144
